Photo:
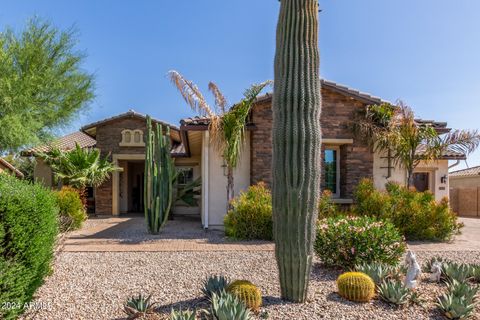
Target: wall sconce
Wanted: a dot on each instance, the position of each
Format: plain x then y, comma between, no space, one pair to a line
224,166
444,179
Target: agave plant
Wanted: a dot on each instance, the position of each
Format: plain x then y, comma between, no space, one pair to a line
427,266
182,315
215,284
226,306
394,292
455,307
377,271
475,272
455,271
138,306
462,289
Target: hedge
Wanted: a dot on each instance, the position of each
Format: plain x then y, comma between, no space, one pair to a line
28,229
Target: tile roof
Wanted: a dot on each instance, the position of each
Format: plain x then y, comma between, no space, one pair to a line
441,127
129,113
446,155
473,171
64,143
9,166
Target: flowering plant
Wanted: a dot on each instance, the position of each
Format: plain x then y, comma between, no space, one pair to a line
346,241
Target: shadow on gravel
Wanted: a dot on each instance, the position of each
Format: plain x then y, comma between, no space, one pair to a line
192,304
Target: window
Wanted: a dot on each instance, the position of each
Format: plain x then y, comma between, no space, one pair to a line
132,138
185,176
421,181
331,165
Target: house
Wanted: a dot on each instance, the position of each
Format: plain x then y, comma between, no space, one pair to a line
346,158
6,167
465,191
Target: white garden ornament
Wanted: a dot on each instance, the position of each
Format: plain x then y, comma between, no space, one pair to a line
413,270
436,271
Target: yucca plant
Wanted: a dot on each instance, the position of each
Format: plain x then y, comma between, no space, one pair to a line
377,271
182,315
394,292
462,289
457,271
454,307
215,284
226,306
138,306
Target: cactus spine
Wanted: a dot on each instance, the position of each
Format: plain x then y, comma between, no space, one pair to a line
296,144
356,286
246,292
158,181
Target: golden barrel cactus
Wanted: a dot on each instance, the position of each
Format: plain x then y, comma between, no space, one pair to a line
356,286
247,292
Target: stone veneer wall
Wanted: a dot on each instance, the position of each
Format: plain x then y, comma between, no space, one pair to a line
356,160
108,137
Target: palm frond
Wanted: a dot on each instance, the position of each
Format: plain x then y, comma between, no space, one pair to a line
220,100
191,94
461,141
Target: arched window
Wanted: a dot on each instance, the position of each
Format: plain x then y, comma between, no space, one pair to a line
132,138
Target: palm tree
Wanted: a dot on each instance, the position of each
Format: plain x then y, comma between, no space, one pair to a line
79,167
227,123
393,129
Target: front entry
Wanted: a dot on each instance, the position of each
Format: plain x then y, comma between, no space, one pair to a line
128,184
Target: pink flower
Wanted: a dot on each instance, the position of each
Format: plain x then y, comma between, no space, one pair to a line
352,250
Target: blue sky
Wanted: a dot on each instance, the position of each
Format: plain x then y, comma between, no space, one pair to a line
423,52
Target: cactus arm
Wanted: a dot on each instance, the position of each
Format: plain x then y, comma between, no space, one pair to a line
296,144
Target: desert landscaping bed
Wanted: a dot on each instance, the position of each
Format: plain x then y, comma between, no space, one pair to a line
95,285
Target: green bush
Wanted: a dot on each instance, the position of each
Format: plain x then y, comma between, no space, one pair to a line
72,211
416,214
346,241
326,208
28,228
251,216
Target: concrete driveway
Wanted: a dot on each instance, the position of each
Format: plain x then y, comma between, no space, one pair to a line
469,240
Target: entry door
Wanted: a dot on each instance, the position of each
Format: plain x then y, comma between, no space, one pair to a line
421,181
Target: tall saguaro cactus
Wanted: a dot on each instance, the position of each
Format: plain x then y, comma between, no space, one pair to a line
296,144
159,173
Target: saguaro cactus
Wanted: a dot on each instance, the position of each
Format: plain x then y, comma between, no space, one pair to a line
296,144
159,173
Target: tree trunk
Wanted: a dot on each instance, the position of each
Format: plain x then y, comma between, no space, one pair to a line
296,144
409,178
229,187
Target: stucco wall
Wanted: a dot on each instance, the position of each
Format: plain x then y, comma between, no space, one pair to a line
465,182
437,170
216,183
42,173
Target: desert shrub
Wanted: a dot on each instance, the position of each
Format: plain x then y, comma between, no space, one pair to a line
346,241
416,214
251,216
326,208
28,228
72,211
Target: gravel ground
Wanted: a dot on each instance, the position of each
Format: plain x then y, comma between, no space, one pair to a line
133,230
95,285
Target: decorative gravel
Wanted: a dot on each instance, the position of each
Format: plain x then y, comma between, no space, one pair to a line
95,285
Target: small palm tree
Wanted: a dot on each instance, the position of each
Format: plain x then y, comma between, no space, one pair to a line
78,167
227,123
393,129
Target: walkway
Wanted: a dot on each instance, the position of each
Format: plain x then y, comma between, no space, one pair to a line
469,240
129,234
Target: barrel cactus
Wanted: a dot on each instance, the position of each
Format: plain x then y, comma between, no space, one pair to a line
247,292
159,176
296,144
356,286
